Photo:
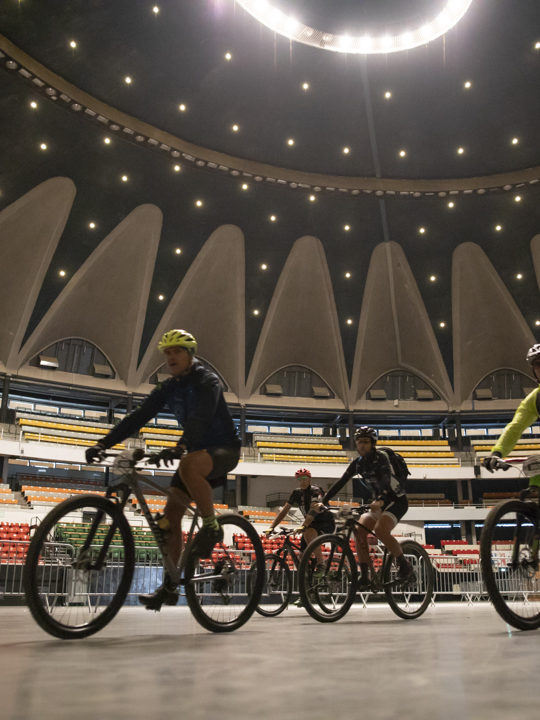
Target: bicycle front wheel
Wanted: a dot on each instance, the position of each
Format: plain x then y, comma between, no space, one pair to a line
277,588
79,567
509,562
223,591
411,599
328,589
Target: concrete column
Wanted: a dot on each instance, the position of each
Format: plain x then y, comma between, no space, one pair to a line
5,398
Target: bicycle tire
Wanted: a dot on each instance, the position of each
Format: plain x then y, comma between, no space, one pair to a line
283,568
423,583
486,562
31,579
254,581
311,597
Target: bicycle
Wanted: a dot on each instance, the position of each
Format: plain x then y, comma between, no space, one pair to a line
278,582
328,593
74,586
509,554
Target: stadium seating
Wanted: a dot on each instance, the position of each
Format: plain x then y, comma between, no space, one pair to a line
524,447
298,449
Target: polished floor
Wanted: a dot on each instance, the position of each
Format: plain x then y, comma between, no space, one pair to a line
457,661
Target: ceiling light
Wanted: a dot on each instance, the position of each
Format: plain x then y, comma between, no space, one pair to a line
228,56
515,141
460,150
498,228
43,146
155,10
519,276
264,266
33,104
199,203
245,186
467,85
124,178
402,153
178,251
277,21
432,278
537,323
422,230
72,44
348,275
451,204
312,198
107,140
161,297
346,228
176,168
290,142
235,128
537,45
387,95
349,321
346,150
273,218
62,273
256,312
518,198
92,225
442,324
305,86
128,80
182,107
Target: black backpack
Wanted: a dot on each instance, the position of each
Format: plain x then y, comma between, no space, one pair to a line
399,466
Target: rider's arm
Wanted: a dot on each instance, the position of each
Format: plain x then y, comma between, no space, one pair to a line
525,415
344,479
198,421
148,409
279,517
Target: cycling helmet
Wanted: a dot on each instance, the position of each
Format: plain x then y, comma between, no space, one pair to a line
303,472
366,432
534,353
178,338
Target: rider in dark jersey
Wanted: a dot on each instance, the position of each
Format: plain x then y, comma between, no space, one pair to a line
388,501
208,449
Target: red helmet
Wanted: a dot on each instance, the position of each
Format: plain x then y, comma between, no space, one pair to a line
303,472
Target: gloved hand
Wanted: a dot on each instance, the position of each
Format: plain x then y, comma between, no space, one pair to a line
166,456
491,462
95,453
269,531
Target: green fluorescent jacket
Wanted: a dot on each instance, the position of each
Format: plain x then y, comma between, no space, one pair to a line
526,414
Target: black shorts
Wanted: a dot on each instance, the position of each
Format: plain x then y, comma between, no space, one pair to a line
225,459
323,523
397,507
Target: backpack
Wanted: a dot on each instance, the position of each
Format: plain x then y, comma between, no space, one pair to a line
399,466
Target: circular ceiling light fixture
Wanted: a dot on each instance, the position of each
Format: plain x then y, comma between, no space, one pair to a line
287,26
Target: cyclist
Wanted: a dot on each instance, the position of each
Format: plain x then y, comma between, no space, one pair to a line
526,414
208,449
318,520
388,502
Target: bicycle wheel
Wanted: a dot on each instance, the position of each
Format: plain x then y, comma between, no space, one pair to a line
79,567
412,599
509,562
224,591
277,587
327,593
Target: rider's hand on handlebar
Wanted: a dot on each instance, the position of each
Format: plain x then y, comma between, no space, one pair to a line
166,456
95,453
269,531
492,461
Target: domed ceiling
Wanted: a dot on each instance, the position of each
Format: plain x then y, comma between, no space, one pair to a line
203,111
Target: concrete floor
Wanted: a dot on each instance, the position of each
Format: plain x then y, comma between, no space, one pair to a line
455,663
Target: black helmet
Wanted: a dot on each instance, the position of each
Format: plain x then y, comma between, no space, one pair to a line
364,431
534,353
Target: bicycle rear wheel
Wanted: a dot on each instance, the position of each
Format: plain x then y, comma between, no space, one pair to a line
224,591
409,600
79,567
509,562
328,593
277,588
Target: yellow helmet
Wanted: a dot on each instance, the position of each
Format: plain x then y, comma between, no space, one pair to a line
178,338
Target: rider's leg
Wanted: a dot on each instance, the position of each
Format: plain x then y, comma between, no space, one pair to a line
309,535
368,521
383,529
194,469
175,508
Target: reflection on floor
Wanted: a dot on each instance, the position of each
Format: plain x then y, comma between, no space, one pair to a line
457,661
